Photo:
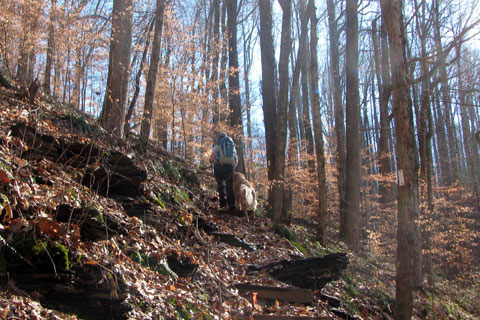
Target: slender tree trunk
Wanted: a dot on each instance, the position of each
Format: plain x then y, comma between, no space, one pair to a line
80,66
223,69
163,126
152,75
448,161
425,134
268,86
340,156
408,197
215,61
141,66
247,65
305,120
292,107
467,134
281,125
26,59
382,65
50,48
352,187
113,112
322,215
234,84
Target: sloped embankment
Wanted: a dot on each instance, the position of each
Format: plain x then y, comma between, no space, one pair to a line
90,227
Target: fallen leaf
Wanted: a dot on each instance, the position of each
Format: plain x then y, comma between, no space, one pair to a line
4,177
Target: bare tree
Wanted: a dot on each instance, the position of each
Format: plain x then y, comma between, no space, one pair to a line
234,83
318,134
350,232
340,153
407,163
268,83
382,70
281,125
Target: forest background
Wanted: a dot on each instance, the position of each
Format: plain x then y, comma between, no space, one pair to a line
360,114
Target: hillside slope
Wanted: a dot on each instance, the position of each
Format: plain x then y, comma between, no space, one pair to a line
92,229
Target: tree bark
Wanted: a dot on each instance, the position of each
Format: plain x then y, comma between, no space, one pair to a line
292,106
281,124
448,163
268,82
141,66
305,119
382,71
50,48
318,135
340,153
350,233
152,75
407,163
113,112
234,102
467,133
215,61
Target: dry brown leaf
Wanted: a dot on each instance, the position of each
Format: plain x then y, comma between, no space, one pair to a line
4,177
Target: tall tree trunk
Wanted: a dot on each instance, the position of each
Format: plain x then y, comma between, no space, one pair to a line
340,152
472,178
82,60
318,134
292,106
268,86
223,114
26,59
215,61
247,66
152,75
305,119
141,66
448,161
407,163
236,120
281,125
352,188
50,48
113,112
425,134
382,71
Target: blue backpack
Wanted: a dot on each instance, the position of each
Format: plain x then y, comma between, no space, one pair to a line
227,150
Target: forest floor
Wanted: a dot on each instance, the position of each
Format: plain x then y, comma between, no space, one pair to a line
149,253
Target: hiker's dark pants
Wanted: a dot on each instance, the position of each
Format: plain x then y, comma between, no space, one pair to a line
224,176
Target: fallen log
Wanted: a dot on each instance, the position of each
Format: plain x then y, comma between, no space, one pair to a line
331,301
309,273
211,228
233,241
294,295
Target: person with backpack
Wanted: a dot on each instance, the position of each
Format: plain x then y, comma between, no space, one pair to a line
224,159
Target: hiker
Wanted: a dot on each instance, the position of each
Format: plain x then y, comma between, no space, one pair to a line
224,159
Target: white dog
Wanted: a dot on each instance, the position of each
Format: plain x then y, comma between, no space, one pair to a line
245,195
